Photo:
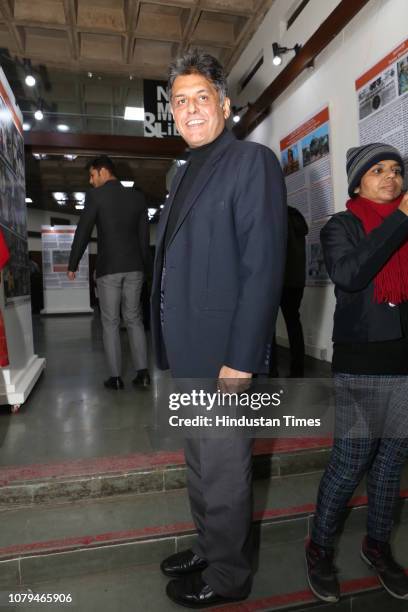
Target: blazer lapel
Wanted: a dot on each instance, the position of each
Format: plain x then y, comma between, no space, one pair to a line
202,179
161,229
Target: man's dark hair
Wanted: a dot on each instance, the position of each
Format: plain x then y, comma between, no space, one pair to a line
103,161
199,62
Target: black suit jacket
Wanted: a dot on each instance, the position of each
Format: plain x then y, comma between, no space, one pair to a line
120,216
352,260
224,264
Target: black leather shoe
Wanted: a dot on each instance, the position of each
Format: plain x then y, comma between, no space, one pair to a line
114,382
182,563
193,592
142,379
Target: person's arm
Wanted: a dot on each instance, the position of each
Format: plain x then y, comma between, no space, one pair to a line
261,229
353,266
83,233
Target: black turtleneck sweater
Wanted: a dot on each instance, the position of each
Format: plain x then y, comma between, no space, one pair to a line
197,157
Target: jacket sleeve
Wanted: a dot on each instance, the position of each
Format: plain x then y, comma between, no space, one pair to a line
83,232
261,230
353,266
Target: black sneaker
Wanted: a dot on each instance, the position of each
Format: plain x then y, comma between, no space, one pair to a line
321,573
391,575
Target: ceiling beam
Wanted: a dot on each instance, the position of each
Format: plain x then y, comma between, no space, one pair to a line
326,32
96,144
16,33
70,18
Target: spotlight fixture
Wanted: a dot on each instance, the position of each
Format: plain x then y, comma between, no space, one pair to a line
79,206
70,156
28,201
79,196
39,115
60,197
237,112
62,127
26,127
236,117
127,183
278,51
30,80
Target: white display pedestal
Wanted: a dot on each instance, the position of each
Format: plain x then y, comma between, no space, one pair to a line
17,379
61,295
66,301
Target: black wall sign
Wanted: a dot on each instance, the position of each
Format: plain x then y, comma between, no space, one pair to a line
158,122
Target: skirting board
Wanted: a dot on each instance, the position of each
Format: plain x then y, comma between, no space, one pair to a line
53,311
313,351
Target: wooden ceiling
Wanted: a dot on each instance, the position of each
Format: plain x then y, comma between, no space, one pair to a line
126,36
90,58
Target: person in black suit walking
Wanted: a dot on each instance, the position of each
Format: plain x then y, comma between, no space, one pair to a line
218,274
123,253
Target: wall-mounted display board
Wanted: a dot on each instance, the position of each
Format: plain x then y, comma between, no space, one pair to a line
306,163
60,294
18,378
382,94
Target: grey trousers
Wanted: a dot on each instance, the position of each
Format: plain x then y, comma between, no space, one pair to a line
219,481
121,293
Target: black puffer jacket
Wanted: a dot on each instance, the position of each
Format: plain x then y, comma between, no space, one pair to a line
353,259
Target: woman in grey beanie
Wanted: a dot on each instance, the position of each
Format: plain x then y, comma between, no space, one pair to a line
366,255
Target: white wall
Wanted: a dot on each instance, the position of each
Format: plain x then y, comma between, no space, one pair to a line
373,33
37,218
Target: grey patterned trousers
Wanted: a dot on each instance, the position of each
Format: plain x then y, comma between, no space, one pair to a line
371,437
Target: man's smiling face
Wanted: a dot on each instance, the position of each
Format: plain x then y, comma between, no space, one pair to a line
197,111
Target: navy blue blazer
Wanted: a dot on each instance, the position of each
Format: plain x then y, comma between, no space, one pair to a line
224,265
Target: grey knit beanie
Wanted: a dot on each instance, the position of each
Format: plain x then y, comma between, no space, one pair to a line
361,159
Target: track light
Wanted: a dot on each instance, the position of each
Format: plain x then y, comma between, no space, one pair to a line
236,110
278,51
39,115
30,80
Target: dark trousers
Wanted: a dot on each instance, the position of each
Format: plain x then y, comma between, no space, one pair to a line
290,305
371,436
219,481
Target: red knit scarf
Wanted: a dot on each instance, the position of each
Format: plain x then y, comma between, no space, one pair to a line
391,282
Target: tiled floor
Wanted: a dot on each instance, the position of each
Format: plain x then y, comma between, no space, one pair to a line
70,415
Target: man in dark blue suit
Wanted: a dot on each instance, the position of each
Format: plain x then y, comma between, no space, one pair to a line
220,257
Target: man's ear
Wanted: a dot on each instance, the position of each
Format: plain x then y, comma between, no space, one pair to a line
226,108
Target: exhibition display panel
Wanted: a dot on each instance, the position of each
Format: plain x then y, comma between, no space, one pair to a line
24,367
